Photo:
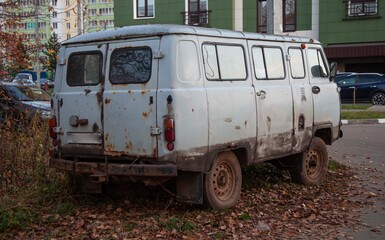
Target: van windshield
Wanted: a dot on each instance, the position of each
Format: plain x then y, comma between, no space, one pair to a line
28,94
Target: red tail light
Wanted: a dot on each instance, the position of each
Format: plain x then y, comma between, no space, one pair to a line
52,125
169,133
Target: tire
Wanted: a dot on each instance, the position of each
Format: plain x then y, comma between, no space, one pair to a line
311,166
222,185
378,98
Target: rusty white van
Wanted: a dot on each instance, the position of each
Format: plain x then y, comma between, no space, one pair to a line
160,102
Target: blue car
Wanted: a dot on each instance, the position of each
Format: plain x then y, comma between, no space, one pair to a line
362,87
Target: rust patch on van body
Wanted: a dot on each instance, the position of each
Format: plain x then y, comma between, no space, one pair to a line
95,127
129,146
99,98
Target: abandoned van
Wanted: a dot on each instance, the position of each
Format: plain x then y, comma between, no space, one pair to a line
160,102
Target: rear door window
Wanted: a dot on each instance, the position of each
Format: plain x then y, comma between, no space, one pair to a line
131,65
84,69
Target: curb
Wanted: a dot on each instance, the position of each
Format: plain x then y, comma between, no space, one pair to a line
363,121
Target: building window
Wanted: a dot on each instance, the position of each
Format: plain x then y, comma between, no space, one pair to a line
67,2
54,2
54,25
197,12
54,14
289,15
261,16
358,8
68,25
68,14
144,8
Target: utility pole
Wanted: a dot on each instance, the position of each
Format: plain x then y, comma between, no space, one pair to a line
80,21
270,16
37,43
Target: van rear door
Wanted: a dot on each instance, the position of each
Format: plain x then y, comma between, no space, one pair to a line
79,109
129,100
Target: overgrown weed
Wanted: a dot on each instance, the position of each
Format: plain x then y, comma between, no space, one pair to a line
27,184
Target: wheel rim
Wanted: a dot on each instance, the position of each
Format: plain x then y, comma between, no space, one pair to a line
314,163
379,99
223,181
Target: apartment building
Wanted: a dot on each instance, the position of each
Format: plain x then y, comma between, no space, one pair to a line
98,15
34,14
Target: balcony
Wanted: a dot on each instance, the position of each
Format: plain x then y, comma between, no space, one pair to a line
196,18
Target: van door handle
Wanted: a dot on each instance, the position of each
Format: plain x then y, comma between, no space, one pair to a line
261,94
316,89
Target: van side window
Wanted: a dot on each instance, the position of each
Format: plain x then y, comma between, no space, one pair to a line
317,63
268,63
296,63
131,65
84,69
224,62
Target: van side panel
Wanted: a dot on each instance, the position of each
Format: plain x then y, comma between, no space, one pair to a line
182,97
230,95
302,96
326,100
274,100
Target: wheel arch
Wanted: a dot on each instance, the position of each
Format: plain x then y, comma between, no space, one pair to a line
324,132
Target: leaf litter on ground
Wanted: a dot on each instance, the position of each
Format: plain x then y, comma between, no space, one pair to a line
270,207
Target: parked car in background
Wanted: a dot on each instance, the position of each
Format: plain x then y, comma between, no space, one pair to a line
45,81
27,80
362,87
24,79
22,102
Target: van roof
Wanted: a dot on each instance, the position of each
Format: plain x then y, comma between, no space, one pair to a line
165,29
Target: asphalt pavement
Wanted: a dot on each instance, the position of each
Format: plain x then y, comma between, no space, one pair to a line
359,150
362,149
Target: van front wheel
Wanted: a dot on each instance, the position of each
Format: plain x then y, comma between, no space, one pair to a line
311,166
222,185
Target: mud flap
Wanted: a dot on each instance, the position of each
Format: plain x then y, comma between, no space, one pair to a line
189,187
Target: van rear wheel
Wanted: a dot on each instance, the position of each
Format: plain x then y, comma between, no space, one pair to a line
311,166
222,185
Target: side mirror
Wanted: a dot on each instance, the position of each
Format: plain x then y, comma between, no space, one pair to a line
333,70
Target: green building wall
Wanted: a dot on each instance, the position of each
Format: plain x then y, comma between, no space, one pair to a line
221,15
304,15
249,16
170,12
335,28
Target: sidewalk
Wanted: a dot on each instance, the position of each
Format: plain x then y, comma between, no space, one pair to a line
374,108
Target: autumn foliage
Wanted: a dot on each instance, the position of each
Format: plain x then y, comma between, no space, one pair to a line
13,45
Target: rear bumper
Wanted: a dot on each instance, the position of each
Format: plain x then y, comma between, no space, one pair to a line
92,168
